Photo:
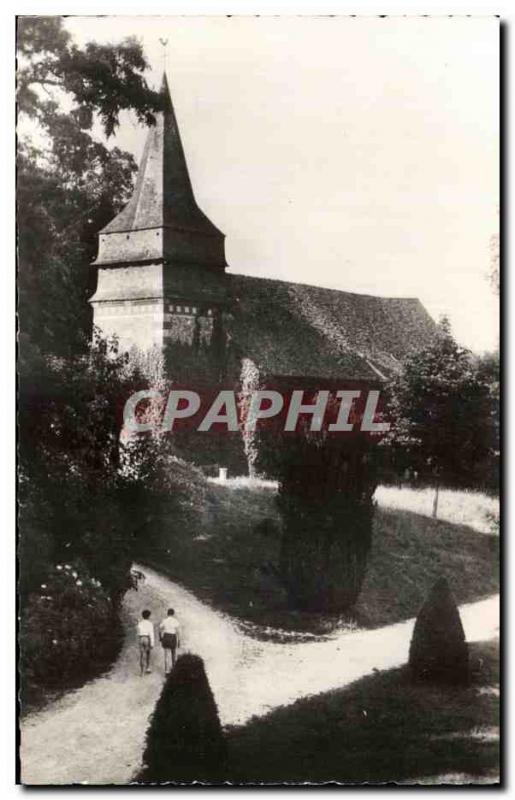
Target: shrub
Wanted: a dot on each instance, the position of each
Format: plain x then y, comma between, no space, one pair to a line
326,503
74,504
169,497
184,741
68,631
324,552
325,499
438,650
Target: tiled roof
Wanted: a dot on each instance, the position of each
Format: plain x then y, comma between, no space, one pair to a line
162,220
291,329
163,195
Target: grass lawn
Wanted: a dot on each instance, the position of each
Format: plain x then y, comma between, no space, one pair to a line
229,559
379,729
475,509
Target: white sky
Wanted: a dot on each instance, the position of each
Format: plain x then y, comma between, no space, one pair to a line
355,153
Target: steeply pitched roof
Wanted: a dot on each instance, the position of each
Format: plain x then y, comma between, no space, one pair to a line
162,220
163,195
291,329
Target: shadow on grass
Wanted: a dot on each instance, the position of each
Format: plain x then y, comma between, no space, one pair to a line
379,729
230,558
410,552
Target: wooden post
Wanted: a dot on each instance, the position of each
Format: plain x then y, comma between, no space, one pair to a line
435,499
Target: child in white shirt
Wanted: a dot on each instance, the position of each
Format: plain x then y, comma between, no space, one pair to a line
169,636
146,641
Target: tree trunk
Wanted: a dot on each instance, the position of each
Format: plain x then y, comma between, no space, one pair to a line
435,500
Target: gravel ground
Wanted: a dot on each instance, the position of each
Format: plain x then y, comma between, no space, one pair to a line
95,735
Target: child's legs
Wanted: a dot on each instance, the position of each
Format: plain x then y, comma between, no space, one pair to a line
144,653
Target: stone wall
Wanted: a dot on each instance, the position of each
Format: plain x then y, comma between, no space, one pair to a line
136,323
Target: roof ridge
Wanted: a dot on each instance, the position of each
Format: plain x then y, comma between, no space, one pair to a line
323,288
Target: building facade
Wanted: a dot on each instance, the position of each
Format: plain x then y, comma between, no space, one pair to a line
163,283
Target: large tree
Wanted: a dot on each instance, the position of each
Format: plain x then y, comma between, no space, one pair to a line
81,506
69,182
440,412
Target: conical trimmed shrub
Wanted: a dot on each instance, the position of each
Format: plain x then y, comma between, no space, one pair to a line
438,650
184,741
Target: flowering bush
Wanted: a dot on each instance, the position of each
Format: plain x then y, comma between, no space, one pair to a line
68,630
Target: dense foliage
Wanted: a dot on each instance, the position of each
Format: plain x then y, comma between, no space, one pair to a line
438,650
184,741
443,415
101,78
76,513
325,498
68,631
75,505
73,501
86,497
69,183
168,494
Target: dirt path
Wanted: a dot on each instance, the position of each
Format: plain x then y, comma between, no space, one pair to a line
95,735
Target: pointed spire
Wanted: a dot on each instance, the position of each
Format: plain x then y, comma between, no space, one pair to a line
163,199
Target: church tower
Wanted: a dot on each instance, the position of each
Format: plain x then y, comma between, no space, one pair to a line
161,262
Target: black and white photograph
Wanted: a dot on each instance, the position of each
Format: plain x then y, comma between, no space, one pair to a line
258,400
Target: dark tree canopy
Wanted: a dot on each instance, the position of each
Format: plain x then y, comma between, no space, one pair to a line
441,414
69,183
102,79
